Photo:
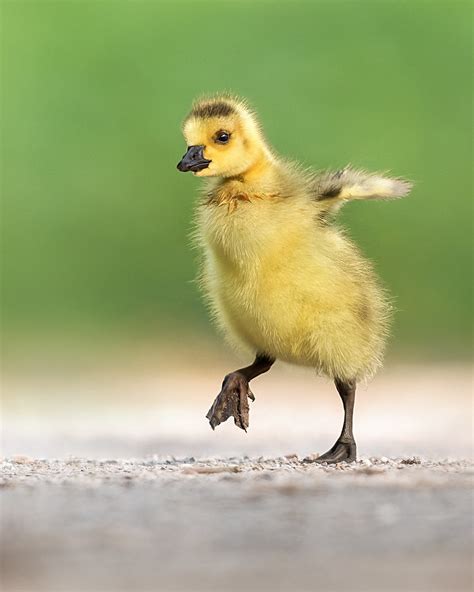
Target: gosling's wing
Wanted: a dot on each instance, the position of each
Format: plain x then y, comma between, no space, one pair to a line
332,189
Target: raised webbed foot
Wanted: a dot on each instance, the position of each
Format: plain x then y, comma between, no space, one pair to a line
342,451
232,401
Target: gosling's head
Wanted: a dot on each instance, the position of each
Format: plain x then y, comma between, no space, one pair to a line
223,138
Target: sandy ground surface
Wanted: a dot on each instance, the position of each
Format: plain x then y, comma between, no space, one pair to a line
121,485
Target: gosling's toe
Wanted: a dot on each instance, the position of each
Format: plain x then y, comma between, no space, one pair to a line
232,401
342,451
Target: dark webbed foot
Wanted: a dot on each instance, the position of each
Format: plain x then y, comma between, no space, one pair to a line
345,449
232,401
341,452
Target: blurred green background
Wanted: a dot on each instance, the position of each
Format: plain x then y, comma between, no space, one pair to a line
96,217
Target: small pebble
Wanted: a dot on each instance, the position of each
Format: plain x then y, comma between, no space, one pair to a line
20,459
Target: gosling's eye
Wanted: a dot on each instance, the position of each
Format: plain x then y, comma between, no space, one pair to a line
222,137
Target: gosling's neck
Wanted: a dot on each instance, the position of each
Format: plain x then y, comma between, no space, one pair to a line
261,169
258,178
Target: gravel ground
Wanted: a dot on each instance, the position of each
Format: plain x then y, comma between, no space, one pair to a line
115,512
239,523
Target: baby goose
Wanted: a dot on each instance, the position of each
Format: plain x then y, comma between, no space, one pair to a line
281,279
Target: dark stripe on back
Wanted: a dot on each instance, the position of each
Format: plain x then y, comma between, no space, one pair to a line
207,110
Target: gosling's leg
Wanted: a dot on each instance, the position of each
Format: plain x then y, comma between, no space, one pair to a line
235,392
344,450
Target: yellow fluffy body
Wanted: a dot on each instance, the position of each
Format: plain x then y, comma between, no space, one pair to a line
281,279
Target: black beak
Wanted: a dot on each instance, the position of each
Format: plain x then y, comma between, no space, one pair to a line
193,160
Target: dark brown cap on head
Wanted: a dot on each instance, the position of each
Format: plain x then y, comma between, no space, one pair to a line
212,109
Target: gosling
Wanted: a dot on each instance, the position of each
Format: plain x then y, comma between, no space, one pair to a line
281,280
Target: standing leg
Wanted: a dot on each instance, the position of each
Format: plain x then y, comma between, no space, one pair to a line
232,400
344,450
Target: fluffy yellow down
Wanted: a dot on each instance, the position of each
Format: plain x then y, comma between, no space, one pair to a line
280,278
